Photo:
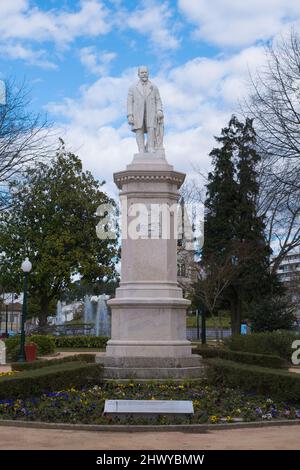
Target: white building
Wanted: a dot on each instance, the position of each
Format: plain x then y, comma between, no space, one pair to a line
289,268
10,312
289,274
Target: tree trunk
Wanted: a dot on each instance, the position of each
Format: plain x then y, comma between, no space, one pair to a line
221,327
216,328
235,314
44,311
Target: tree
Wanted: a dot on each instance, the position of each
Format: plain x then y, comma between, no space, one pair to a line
272,313
274,103
80,288
23,134
233,231
52,220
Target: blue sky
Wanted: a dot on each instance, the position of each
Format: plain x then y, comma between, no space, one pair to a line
79,58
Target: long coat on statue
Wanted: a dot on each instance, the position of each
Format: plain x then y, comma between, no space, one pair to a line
143,100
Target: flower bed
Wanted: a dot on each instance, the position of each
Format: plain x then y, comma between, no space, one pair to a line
9,373
211,404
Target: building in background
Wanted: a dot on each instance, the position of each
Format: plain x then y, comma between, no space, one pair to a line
10,313
4,194
289,274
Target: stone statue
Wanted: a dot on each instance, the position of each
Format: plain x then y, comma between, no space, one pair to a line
145,113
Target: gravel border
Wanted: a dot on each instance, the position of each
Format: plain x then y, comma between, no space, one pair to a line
194,428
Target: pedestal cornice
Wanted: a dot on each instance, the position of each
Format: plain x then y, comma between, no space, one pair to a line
140,175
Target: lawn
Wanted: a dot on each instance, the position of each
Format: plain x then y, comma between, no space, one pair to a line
212,404
191,322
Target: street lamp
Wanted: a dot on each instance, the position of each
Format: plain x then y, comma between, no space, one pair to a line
26,268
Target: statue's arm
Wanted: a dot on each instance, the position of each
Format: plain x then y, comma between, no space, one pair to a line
130,103
159,106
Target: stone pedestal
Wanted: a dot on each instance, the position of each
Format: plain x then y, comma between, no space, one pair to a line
149,312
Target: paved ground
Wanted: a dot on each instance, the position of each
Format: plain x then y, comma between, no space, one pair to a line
61,354
295,369
271,438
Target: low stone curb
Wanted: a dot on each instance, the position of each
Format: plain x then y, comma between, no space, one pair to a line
194,428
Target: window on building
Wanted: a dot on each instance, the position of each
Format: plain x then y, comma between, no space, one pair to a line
181,270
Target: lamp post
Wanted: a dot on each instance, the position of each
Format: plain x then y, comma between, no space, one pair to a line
6,321
26,268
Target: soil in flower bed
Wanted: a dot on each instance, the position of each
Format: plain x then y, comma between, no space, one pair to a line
212,404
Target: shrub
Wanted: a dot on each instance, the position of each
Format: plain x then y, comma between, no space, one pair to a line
263,360
80,341
276,342
34,383
89,358
12,348
279,384
271,314
45,344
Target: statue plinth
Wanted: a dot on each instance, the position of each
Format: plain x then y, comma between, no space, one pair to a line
149,311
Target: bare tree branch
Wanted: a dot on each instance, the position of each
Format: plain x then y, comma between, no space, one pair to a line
24,135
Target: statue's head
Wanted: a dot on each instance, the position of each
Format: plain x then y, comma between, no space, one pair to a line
143,73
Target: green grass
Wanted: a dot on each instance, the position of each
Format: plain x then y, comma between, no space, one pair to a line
191,322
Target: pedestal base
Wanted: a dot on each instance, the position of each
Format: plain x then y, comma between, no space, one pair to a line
152,368
160,349
148,327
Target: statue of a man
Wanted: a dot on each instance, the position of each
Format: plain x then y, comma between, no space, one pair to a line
145,113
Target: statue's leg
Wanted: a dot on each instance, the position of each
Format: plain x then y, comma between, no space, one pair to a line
151,139
140,140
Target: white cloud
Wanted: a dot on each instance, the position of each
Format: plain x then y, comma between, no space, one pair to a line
198,97
34,57
154,19
97,62
20,20
237,22
101,104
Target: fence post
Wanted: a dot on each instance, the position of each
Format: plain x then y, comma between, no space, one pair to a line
203,327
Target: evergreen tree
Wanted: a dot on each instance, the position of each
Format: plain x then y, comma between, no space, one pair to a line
52,220
234,232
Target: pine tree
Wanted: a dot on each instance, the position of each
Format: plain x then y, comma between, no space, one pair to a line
234,232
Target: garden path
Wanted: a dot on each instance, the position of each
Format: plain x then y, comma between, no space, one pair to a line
273,438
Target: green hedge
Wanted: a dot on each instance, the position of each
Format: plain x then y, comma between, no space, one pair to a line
49,379
80,341
279,384
275,342
263,360
53,362
12,348
45,345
